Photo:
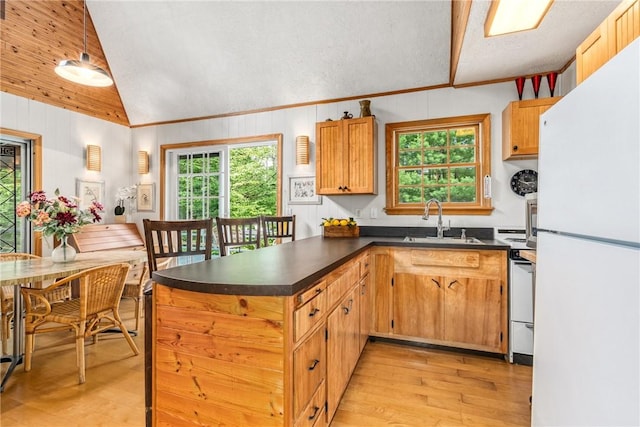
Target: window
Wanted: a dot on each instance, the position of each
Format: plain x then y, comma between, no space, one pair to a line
444,159
232,177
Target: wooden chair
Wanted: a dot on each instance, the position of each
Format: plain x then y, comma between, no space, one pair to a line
275,228
94,311
6,298
238,233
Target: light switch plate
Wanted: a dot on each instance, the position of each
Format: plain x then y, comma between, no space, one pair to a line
358,213
374,213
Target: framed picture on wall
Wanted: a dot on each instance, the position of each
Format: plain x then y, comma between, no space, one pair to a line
302,191
89,191
145,197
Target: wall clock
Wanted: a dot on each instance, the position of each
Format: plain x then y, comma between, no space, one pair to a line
524,181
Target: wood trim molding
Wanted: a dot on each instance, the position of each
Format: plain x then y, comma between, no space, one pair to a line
460,10
36,176
278,137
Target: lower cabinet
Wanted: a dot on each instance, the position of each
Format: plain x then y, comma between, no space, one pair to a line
343,347
455,298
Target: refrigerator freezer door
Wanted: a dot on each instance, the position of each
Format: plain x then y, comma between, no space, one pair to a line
589,179
586,369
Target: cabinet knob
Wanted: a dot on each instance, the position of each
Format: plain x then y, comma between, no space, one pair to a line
340,188
314,312
315,413
436,282
515,148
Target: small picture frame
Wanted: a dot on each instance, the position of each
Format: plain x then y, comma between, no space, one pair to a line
145,197
89,191
302,191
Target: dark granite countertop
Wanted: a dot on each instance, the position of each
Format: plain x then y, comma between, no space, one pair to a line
285,269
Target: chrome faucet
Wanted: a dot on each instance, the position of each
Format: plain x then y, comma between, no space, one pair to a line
441,229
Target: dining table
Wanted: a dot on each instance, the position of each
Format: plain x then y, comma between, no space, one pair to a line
23,272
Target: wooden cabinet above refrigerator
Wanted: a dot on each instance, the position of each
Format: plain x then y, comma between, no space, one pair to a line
520,127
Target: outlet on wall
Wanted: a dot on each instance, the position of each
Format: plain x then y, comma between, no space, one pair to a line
358,213
374,213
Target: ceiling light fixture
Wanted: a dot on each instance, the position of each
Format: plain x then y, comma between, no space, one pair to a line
83,71
510,16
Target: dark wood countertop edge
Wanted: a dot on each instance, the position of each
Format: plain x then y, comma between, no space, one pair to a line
290,289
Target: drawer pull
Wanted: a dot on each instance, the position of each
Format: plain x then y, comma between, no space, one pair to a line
315,413
347,309
318,290
364,290
452,283
436,282
529,326
314,312
314,364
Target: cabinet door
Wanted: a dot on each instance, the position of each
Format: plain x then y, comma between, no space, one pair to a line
359,158
343,348
366,304
330,177
473,312
381,274
592,53
623,26
520,127
418,302
309,365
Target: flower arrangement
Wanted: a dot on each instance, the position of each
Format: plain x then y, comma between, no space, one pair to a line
122,194
59,216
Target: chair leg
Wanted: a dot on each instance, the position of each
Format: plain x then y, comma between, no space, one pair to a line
133,346
138,311
28,351
5,332
80,354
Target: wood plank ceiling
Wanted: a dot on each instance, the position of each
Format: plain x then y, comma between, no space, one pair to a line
35,36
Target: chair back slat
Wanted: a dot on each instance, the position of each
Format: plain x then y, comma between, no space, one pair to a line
238,233
275,228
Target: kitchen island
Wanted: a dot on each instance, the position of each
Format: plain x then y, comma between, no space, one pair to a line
268,337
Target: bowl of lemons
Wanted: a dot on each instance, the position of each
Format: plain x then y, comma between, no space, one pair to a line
340,227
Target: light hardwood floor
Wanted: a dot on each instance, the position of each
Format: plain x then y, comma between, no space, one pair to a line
393,385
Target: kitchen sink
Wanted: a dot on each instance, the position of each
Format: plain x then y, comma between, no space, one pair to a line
457,240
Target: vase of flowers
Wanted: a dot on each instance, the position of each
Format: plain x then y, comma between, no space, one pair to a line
59,216
124,194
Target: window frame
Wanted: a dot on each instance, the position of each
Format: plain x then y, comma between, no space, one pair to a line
214,145
482,206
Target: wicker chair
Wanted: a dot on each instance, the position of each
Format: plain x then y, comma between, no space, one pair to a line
238,233
6,299
134,289
276,228
94,311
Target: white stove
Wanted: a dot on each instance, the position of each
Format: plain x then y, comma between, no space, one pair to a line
520,296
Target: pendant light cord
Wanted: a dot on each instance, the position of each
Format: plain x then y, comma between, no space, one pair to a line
84,10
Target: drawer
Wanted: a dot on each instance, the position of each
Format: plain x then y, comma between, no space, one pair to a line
306,296
135,272
364,265
313,414
521,292
522,338
336,289
309,368
307,316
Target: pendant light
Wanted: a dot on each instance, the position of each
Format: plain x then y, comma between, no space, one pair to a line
83,71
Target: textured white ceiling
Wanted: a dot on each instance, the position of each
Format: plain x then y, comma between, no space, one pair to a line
175,60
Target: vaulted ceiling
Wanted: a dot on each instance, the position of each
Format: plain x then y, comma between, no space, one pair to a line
177,60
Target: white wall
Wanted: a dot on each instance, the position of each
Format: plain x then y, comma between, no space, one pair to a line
509,208
65,135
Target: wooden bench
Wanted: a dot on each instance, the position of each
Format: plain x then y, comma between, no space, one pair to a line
105,237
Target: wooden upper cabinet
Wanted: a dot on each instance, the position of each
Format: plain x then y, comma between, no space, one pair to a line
346,156
521,127
620,28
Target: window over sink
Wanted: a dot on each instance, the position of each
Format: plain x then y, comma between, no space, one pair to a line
444,159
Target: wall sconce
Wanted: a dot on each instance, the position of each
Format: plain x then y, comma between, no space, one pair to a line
94,158
143,162
302,150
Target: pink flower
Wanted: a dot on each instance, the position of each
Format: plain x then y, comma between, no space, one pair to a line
23,209
41,219
38,196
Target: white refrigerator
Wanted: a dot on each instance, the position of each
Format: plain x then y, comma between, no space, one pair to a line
586,366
